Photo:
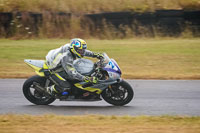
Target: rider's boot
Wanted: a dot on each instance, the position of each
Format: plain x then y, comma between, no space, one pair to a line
51,90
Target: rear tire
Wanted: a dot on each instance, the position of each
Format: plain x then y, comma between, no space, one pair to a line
31,95
119,98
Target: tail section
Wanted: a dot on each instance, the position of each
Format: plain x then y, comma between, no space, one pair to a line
37,65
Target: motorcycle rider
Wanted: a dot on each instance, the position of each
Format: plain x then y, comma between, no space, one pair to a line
60,61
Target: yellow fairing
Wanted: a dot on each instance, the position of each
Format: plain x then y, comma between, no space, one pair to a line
45,66
97,90
37,69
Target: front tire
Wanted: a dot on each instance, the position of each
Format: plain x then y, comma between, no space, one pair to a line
119,94
32,94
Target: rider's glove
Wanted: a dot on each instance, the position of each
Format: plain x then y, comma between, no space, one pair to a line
98,55
93,79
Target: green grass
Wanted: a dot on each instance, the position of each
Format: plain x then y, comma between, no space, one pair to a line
161,58
94,6
98,123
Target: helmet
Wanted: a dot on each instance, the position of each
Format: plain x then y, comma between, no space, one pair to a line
78,47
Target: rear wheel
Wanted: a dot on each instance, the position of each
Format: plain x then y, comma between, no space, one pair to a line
118,94
33,95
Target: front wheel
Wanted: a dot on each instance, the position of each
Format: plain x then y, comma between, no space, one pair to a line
118,94
32,94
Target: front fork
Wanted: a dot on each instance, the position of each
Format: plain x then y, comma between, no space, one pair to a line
111,83
110,88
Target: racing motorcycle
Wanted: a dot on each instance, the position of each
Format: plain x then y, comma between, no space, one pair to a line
110,86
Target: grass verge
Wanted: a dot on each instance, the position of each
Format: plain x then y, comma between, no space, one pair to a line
144,58
98,123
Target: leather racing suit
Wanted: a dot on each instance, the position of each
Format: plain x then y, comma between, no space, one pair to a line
63,57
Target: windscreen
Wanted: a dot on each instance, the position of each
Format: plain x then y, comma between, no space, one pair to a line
106,60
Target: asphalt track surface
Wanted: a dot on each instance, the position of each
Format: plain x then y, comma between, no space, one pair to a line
152,97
